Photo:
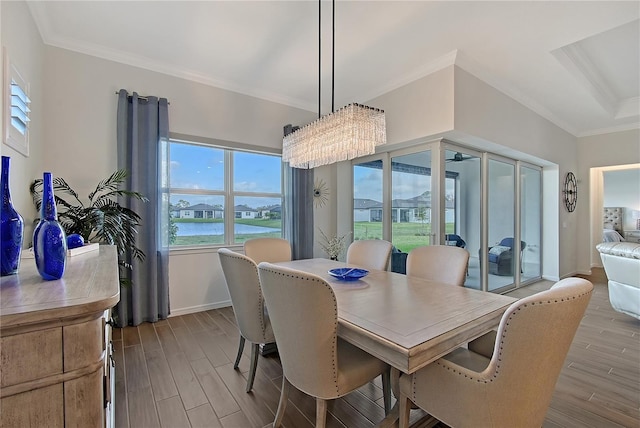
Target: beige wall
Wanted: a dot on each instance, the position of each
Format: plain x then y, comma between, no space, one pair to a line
25,49
81,123
73,135
495,121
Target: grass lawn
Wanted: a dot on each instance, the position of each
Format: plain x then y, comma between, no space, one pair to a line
406,236
219,239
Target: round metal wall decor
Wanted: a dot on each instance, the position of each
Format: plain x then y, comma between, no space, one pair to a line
570,191
320,193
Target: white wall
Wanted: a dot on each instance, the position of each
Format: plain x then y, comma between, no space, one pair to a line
73,136
491,119
25,49
598,151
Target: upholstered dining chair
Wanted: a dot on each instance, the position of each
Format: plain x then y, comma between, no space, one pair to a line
504,378
442,263
369,253
241,274
270,250
304,313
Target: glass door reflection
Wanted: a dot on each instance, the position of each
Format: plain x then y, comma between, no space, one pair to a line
462,206
530,222
368,209
503,256
410,205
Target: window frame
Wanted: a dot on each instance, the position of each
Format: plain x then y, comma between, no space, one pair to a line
228,193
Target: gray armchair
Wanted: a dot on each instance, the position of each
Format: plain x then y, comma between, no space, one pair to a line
501,258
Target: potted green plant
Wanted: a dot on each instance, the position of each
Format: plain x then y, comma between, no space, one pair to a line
102,219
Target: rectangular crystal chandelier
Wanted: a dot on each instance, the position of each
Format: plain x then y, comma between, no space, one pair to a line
351,132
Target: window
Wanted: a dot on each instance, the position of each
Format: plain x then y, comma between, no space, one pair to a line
221,195
17,118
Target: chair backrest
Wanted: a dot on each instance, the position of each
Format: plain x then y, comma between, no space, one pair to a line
270,250
509,242
459,242
241,274
304,315
369,253
440,263
533,339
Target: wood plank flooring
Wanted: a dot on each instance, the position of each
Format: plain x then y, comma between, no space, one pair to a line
179,373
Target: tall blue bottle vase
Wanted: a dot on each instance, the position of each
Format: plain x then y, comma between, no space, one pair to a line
11,226
49,239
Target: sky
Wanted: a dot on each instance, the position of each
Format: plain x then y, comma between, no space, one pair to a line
202,168
198,167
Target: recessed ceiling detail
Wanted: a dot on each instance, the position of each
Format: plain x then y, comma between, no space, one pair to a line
608,65
262,49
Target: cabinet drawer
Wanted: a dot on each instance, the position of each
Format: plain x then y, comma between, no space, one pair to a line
30,356
83,344
41,407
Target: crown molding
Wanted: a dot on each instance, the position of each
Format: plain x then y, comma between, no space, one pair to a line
629,107
99,51
610,130
578,64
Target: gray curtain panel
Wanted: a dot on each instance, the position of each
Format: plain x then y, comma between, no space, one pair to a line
298,206
143,139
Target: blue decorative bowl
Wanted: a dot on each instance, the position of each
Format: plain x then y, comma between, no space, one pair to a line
348,274
74,241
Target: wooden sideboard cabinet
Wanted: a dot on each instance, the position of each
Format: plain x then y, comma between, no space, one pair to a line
56,367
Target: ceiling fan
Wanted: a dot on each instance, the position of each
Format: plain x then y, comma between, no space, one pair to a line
458,157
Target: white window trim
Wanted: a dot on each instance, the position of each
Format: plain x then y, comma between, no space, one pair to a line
227,192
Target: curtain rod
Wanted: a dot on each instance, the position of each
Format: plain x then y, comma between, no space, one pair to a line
142,97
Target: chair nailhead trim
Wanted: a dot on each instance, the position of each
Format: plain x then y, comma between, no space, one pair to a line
335,324
501,347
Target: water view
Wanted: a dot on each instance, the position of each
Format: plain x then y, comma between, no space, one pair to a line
195,229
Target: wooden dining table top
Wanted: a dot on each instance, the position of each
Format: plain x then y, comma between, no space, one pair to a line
405,321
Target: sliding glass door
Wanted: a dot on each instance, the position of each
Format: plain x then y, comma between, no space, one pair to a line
502,249
411,201
368,209
530,221
444,194
462,205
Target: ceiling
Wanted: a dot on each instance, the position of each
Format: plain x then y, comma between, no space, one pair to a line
575,63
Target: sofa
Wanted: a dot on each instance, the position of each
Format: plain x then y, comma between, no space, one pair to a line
621,261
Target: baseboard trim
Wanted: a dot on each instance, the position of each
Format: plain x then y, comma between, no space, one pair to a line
199,308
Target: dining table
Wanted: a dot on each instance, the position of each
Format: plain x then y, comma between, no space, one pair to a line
408,322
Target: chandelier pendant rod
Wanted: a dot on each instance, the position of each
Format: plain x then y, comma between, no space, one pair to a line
319,59
333,52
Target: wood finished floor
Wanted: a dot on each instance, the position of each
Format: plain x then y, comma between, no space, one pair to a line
179,373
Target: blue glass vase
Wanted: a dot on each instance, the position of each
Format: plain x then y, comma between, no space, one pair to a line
11,226
49,239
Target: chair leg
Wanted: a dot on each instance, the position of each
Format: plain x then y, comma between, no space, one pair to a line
405,410
321,413
284,396
255,349
240,349
386,390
